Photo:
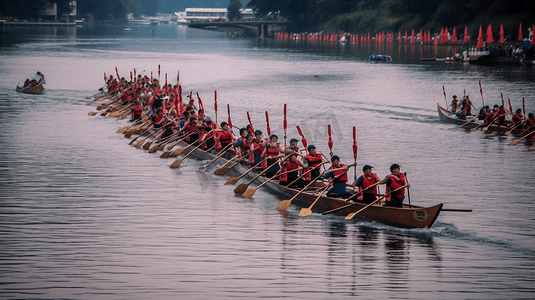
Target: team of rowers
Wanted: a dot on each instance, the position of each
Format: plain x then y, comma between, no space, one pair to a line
497,115
295,168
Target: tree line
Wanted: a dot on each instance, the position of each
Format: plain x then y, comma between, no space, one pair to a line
398,15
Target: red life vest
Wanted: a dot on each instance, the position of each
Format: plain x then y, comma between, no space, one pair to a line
517,118
368,182
531,122
272,151
288,166
396,183
342,173
137,110
454,104
313,161
157,119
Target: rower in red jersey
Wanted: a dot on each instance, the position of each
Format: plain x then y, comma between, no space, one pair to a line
394,181
290,172
364,182
312,161
223,136
273,150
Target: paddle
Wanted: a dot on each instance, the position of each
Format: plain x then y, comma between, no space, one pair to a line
475,128
471,120
408,189
355,148
96,96
133,140
224,169
487,128
310,170
250,123
135,129
215,105
510,106
330,143
445,99
250,192
346,206
177,162
126,128
351,215
481,91
285,126
146,146
518,140
140,143
308,211
532,147
267,124
512,128
284,204
223,151
179,151
240,189
162,143
233,180
303,139
458,210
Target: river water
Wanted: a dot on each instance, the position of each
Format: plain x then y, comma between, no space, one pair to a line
86,216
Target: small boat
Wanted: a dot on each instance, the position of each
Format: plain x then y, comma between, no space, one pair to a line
380,58
446,116
38,89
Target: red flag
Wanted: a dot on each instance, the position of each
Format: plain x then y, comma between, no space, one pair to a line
267,124
490,40
250,123
330,143
200,103
502,39
465,38
510,106
454,36
480,38
229,120
355,143
303,139
520,38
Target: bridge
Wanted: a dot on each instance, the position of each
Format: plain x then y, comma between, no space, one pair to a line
265,28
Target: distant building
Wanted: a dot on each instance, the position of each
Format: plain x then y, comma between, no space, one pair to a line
51,13
210,14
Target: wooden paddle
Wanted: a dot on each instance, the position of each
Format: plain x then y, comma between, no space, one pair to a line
518,140
475,128
177,162
146,146
240,189
531,147
349,205
224,169
308,211
92,113
408,189
471,120
512,128
233,180
133,140
126,128
351,215
134,129
162,143
286,203
97,98
250,192
140,143
221,153
179,151
487,128
172,146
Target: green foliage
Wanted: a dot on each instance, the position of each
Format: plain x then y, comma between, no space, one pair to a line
30,9
398,15
233,10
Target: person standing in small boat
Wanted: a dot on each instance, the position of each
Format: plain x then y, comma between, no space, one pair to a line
466,108
454,104
338,178
394,181
39,77
273,149
364,182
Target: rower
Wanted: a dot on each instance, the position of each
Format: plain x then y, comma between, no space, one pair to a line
257,148
501,115
466,108
273,149
454,104
207,133
394,181
518,118
338,178
293,147
137,111
530,122
39,77
365,181
311,160
190,127
290,168
243,144
223,136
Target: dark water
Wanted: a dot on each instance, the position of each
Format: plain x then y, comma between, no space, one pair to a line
86,216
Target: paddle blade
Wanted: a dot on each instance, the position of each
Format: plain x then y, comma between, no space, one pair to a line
240,189
305,212
350,216
507,133
532,147
249,193
176,163
473,129
154,148
132,141
128,135
89,102
221,171
92,113
140,143
232,181
514,142
147,145
178,151
165,154
283,205
161,147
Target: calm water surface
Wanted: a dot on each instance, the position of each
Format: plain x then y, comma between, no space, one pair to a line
86,216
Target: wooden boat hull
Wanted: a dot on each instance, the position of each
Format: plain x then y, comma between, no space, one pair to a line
445,116
38,89
413,217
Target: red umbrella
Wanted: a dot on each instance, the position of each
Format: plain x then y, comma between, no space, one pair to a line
465,38
490,40
502,40
480,38
454,36
520,38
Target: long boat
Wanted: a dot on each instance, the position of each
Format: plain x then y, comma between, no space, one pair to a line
446,116
38,89
407,217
